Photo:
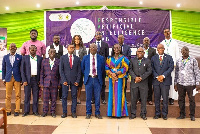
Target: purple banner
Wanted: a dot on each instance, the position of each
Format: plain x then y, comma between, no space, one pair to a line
133,24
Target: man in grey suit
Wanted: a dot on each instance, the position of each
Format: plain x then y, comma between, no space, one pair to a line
140,69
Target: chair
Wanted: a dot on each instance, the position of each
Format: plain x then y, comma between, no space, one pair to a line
3,120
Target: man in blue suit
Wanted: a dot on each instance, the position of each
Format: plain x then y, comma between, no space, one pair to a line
70,73
11,77
93,66
162,66
30,72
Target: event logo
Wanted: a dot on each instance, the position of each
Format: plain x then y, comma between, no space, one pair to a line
83,27
60,17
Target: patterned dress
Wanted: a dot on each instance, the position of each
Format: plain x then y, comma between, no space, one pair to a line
117,105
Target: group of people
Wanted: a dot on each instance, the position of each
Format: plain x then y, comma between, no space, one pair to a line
68,69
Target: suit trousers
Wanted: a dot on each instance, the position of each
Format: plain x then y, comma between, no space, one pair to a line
47,93
159,90
181,99
65,90
150,91
134,97
93,85
35,91
9,88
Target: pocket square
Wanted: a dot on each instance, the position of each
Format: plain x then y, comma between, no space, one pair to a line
17,58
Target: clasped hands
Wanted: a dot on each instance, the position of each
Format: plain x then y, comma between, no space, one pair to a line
138,79
160,78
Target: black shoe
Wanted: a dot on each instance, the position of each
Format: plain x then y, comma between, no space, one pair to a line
53,115
24,114
171,101
74,115
192,118
8,113
36,114
16,114
132,116
98,116
157,117
165,117
92,102
103,101
181,117
44,115
88,116
144,117
64,115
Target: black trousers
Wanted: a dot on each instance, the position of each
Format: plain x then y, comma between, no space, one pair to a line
150,91
159,90
134,95
181,98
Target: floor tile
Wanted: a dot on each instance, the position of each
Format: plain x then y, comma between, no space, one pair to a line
191,130
166,131
48,121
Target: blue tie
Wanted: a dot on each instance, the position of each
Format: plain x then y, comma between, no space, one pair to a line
98,45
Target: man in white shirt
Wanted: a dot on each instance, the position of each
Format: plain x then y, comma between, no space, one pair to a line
172,49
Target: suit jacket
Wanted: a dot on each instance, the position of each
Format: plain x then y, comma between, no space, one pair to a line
26,68
68,74
143,71
126,51
7,68
82,52
47,75
85,67
104,50
151,52
166,67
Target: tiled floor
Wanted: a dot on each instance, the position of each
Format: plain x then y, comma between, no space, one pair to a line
48,125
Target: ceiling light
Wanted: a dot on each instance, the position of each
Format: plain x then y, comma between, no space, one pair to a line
178,5
37,5
141,2
77,3
7,8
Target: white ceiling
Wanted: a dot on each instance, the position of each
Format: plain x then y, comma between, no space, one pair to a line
29,5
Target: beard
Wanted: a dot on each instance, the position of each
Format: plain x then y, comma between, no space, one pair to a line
57,42
33,38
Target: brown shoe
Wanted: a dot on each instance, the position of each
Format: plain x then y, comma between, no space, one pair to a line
150,102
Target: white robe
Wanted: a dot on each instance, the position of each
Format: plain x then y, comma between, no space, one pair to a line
171,48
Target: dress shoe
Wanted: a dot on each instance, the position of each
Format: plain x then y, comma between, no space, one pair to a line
103,101
138,102
98,116
44,115
165,117
24,114
150,102
132,116
16,114
36,114
64,115
157,117
192,118
8,113
53,115
74,115
78,101
92,102
88,116
171,103
181,117
144,117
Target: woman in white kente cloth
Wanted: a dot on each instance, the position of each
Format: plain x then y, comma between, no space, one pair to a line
171,48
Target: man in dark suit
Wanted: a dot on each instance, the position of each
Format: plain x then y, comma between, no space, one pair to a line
49,82
70,73
93,66
103,50
11,77
162,66
30,72
149,53
140,69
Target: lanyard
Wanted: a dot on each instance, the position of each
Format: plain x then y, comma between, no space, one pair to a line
185,61
51,64
34,58
167,44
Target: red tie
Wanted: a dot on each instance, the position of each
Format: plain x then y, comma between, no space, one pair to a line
93,66
70,61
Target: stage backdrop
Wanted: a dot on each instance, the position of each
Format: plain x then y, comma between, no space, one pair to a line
133,24
3,45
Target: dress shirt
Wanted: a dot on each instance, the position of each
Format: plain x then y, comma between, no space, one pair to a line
56,48
99,43
51,63
12,59
33,61
91,60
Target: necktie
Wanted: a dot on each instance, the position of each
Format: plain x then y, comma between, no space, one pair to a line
70,61
139,62
93,67
160,60
98,45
